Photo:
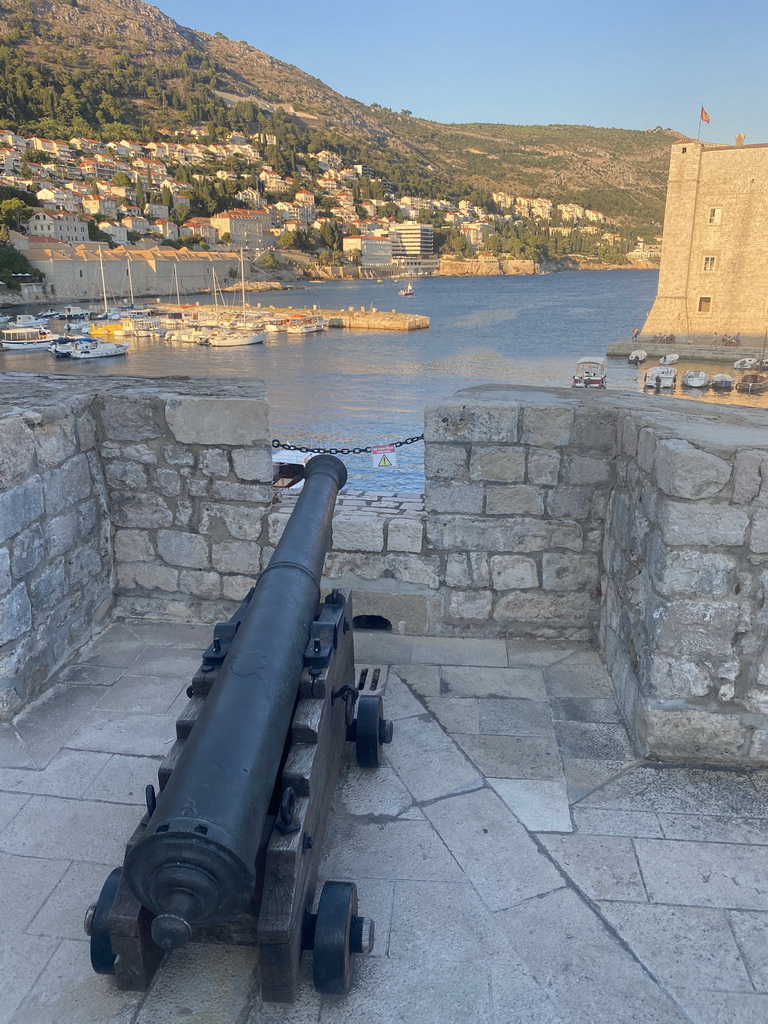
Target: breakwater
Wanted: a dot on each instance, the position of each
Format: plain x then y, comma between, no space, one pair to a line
688,351
359,319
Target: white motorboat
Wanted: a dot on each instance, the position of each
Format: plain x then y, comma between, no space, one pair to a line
4,320
745,364
276,324
191,334
233,338
98,349
659,377
637,356
306,324
29,320
26,339
407,291
696,379
722,382
75,312
590,373
49,314
669,359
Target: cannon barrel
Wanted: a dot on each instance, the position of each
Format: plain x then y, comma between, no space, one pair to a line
195,864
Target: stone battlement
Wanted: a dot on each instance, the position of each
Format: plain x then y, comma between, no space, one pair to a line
546,514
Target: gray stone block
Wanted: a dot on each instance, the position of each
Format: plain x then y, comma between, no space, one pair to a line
704,874
146,511
28,551
17,451
15,614
569,572
543,467
513,572
546,427
759,536
230,490
747,475
569,502
405,535
523,499
147,576
131,475
582,470
130,419
470,605
237,556
185,549
61,533
445,461
502,463
133,546
20,506
483,421
232,421
357,534
167,481
547,611
200,584
684,471
453,497
521,534
692,734
253,464
707,525
55,442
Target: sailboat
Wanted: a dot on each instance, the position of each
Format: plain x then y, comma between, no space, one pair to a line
240,332
407,291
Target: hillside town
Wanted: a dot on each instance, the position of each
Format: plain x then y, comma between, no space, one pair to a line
138,199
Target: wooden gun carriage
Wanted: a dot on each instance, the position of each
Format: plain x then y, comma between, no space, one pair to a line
229,847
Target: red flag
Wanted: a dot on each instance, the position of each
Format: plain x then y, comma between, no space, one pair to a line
704,115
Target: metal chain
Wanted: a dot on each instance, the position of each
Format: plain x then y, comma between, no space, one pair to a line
340,451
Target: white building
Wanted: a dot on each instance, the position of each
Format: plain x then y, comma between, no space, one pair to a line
58,225
375,252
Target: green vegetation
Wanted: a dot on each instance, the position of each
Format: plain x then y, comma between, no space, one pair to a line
13,262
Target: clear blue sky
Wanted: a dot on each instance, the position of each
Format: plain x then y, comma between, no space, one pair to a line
599,62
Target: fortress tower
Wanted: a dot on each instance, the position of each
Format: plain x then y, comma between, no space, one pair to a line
714,263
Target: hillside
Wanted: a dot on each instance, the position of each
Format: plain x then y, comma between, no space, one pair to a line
121,67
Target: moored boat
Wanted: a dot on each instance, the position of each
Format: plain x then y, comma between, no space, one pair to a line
589,373
659,377
696,379
26,339
407,291
98,349
753,383
306,324
637,356
669,359
745,364
233,338
722,381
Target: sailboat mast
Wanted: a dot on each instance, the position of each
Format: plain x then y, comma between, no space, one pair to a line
242,277
103,282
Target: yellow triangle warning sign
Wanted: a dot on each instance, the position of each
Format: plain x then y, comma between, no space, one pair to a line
384,461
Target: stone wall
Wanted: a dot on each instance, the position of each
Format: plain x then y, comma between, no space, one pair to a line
639,523
56,571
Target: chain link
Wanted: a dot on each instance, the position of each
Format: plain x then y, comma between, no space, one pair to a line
340,451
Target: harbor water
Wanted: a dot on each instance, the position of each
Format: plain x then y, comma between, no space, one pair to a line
349,388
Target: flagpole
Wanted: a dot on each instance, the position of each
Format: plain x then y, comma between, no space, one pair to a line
698,133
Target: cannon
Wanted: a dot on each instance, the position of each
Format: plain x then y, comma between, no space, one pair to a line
229,846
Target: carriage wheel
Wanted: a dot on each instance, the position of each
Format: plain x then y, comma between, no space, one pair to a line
97,926
333,960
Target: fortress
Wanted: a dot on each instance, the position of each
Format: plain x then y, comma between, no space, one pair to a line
714,273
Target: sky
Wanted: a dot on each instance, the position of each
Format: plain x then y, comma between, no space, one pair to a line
612,64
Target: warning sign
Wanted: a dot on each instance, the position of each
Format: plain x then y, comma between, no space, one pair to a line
383,456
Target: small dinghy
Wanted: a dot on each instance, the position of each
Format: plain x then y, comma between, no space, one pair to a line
637,356
745,364
722,382
669,358
696,379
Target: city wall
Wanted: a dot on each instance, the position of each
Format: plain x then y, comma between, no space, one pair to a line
547,514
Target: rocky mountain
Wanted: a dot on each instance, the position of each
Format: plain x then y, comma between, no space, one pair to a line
121,66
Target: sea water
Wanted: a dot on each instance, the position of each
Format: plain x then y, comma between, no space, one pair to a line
345,388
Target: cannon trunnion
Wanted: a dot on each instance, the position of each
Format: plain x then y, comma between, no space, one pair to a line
228,850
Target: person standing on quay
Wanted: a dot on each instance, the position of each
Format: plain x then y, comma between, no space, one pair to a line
635,334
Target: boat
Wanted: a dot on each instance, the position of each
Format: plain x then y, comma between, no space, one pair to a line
589,373
407,291
275,324
63,349
28,320
26,339
696,379
75,313
189,334
669,359
637,356
232,338
98,349
49,314
306,324
753,383
722,381
4,320
745,364
659,377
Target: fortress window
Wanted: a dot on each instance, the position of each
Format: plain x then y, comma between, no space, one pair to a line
709,262
684,149
705,303
714,214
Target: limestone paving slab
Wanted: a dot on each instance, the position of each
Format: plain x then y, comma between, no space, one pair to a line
61,915
478,681
586,775
440,650
400,702
539,804
703,1006
27,882
512,757
13,749
116,732
537,652
455,714
515,718
10,805
590,978
593,740
475,827
429,762
142,694
123,779
21,962
596,822
422,680
715,828
69,773
707,954
603,867
704,874
581,674
46,728
750,929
